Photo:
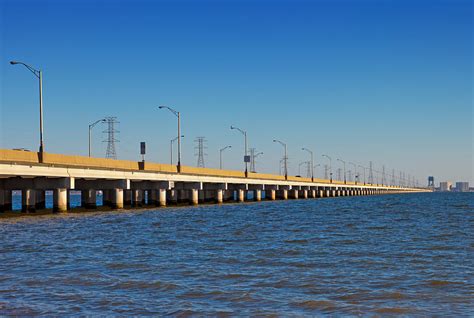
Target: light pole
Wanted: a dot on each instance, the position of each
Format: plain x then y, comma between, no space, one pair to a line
356,177
39,75
177,114
90,132
330,166
312,163
363,168
246,159
171,147
220,155
344,169
285,158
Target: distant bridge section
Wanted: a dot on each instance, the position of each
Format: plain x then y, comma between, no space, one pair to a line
127,183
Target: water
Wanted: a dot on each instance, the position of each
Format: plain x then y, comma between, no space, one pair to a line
406,254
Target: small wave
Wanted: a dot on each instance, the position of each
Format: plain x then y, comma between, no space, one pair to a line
393,310
297,241
315,304
440,283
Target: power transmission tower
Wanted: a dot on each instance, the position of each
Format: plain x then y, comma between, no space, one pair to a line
371,173
200,150
400,180
339,172
349,175
393,177
111,140
326,170
253,155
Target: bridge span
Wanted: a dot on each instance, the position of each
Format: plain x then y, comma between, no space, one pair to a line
127,183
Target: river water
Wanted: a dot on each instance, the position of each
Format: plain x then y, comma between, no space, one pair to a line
409,254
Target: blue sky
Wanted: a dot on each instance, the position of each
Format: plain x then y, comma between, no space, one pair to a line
387,81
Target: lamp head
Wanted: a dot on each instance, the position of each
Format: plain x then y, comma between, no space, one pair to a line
161,107
232,127
13,62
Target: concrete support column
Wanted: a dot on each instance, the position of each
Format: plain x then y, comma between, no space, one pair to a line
313,194
241,195
161,197
270,195
304,194
5,200
220,196
28,200
320,193
40,200
283,194
60,199
333,193
257,195
194,196
116,198
137,198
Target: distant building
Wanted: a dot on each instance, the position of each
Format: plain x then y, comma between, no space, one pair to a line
431,182
462,186
445,186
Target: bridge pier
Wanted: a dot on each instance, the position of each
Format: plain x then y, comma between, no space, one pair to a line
241,195
220,196
257,195
116,198
40,203
283,194
293,194
270,195
60,200
28,200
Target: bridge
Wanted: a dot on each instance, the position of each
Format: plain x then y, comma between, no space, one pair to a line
127,183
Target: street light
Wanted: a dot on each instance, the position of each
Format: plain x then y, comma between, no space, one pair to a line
220,155
312,163
90,132
356,177
315,166
285,158
330,166
177,114
39,75
246,158
344,169
171,147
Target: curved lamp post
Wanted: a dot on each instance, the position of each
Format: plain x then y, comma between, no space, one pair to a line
178,115
172,141
312,162
243,132
220,155
285,158
39,75
90,133
330,166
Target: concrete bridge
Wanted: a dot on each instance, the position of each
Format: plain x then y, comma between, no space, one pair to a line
124,183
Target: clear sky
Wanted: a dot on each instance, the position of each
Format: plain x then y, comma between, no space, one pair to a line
387,81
